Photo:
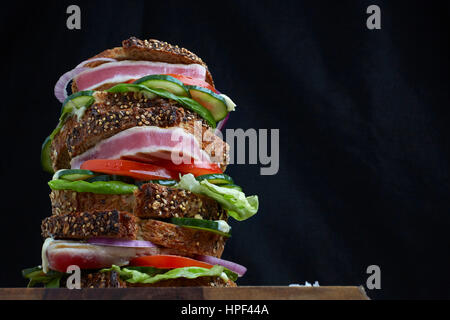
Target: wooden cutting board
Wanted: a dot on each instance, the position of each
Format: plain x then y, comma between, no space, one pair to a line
189,293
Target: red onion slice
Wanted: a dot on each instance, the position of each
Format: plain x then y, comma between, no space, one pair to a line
237,268
85,62
61,84
121,243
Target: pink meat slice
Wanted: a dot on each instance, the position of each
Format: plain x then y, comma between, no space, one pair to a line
147,144
122,71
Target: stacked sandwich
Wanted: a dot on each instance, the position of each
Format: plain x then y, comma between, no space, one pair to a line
138,193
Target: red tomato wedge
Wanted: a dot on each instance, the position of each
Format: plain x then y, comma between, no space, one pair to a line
197,169
168,262
193,82
137,170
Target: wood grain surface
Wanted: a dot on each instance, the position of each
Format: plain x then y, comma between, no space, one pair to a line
189,293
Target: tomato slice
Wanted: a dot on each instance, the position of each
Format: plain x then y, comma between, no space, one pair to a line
197,169
137,170
193,82
168,262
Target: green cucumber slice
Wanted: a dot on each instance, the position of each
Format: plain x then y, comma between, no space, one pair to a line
167,183
78,100
74,104
210,100
216,178
103,177
73,174
108,178
218,226
46,161
165,82
232,186
193,105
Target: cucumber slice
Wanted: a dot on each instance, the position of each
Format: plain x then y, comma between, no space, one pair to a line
103,177
232,186
219,226
210,100
167,183
74,104
107,178
78,100
165,82
216,178
73,174
46,161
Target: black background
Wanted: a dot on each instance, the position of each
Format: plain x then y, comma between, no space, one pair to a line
363,118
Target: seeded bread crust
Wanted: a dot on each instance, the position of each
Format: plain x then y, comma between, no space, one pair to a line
191,241
112,113
84,225
149,50
68,201
123,225
154,200
149,201
112,280
101,280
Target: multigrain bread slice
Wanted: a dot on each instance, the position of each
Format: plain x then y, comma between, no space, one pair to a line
123,225
111,279
150,200
85,225
192,241
112,113
148,50
101,280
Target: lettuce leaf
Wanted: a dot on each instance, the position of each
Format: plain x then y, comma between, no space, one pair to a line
234,201
37,276
152,275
